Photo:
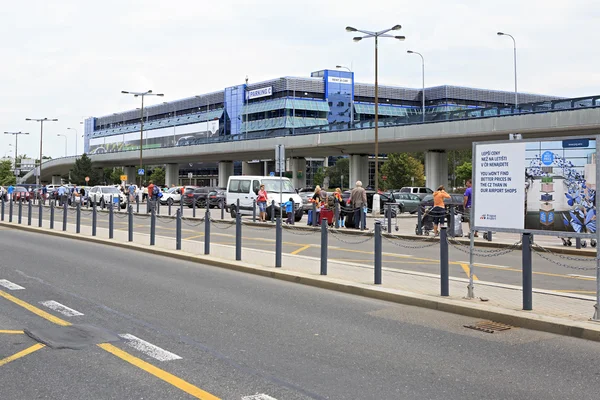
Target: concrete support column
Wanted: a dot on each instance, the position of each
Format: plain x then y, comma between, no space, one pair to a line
172,175
298,167
131,173
56,180
436,169
225,171
359,169
252,168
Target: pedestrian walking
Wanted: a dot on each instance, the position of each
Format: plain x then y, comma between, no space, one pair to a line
438,211
337,196
289,210
468,203
358,200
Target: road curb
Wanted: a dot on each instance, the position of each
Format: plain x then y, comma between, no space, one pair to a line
517,318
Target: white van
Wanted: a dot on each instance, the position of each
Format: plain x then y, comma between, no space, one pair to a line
245,188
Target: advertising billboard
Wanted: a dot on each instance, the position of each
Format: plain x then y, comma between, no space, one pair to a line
546,186
182,135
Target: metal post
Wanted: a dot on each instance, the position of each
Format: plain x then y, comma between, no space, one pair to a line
273,210
363,218
489,236
253,210
20,211
324,247
152,226
389,218
169,204
527,273
207,231
137,203
10,209
51,215
65,212
378,255
578,243
40,211
78,218
336,216
419,217
157,204
222,201
111,222
130,223
2,209
451,221
29,213
193,207
444,270
94,220
314,214
178,230
278,243
238,232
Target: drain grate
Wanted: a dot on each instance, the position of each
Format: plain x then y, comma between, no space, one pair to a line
489,326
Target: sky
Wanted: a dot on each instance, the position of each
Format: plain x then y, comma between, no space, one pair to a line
69,59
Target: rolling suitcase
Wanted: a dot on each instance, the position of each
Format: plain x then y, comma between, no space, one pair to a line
349,220
328,215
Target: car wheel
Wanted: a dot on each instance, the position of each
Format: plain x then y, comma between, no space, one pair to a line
170,202
232,211
102,205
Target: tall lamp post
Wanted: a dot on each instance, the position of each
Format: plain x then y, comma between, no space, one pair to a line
65,136
351,99
76,134
423,79
376,35
16,145
142,95
515,62
41,121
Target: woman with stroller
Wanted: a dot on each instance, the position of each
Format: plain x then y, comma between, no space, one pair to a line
439,208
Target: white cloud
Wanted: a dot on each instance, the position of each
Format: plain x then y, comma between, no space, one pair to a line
67,59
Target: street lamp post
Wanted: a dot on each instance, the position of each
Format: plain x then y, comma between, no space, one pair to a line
376,35
16,145
76,134
423,79
41,121
351,99
142,94
515,62
65,136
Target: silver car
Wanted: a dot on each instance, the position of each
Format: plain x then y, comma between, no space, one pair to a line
102,195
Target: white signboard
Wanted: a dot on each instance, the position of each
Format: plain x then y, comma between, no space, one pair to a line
280,158
257,93
499,186
335,79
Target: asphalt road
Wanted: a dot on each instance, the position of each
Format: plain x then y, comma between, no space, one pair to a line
240,335
566,274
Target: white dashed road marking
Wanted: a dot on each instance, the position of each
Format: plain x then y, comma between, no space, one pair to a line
10,286
149,349
56,306
261,396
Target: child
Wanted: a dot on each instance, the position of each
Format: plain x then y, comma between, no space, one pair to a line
289,210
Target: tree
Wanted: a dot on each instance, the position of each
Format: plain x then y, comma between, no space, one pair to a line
115,176
319,177
158,176
399,169
7,176
337,171
464,172
83,168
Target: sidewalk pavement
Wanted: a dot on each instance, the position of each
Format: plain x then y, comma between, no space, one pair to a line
566,314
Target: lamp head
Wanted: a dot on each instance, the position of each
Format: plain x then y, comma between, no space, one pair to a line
397,27
350,29
400,37
149,91
357,38
500,33
409,51
161,94
124,91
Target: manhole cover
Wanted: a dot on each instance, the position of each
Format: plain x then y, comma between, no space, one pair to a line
489,326
75,337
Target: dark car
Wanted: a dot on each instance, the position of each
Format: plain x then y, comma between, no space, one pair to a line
384,198
21,194
199,196
217,198
456,200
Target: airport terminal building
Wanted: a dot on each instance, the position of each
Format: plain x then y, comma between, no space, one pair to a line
287,105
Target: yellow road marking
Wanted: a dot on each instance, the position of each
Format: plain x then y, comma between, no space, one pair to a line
194,237
159,373
11,332
575,291
467,270
34,309
301,249
23,353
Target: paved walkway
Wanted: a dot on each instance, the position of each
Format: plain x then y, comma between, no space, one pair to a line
552,311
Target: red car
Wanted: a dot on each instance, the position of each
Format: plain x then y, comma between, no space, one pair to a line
21,194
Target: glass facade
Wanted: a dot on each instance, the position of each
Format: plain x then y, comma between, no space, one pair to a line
339,93
234,103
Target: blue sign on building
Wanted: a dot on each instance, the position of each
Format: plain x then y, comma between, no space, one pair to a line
566,144
547,158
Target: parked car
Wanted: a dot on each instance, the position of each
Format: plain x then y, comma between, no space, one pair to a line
384,198
456,200
21,194
171,196
407,202
102,195
199,196
217,198
419,191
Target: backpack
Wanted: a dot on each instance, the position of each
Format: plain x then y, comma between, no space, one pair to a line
330,202
155,190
